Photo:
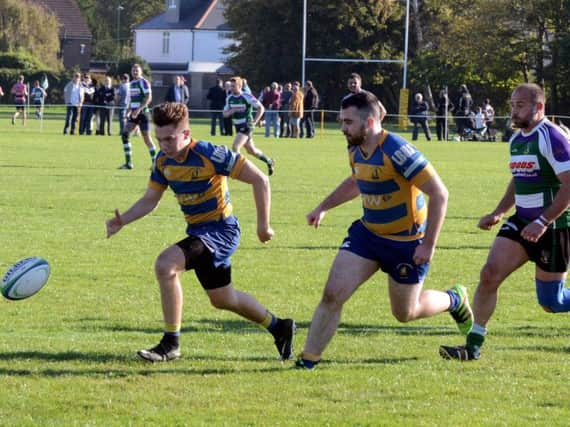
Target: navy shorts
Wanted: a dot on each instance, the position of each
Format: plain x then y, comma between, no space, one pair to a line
220,237
142,120
395,257
245,128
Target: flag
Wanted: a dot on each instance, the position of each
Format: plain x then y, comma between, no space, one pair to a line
45,83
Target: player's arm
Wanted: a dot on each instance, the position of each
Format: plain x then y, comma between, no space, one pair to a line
505,204
259,112
346,191
250,174
142,207
227,111
438,195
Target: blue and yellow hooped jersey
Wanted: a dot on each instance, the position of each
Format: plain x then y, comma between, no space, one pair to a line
388,179
200,181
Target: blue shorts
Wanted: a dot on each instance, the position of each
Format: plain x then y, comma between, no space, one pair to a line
220,237
395,257
245,128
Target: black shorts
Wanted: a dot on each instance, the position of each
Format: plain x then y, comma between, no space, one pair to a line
552,251
245,128
20,106
142,120
200,259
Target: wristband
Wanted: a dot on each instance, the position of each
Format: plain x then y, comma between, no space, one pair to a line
541,220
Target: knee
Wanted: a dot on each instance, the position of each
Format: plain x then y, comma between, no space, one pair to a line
489,277
332,299
222,302
403,315
164,266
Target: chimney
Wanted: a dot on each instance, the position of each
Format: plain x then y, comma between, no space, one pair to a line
173,11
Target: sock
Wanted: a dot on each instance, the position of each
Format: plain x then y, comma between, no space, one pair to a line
476,338
171,334
152,152
454,300
263,158
128,153
270,322
310,360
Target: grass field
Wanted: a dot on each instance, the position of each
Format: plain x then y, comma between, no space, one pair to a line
67,355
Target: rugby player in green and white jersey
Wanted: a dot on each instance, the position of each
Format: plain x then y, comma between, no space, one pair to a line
239,106
539,231
137,115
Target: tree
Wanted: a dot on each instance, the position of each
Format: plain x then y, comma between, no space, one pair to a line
25,26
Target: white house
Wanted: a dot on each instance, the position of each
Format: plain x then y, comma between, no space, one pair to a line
187,39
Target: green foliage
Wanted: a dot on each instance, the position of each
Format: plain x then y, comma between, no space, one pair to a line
20,60
126,63
67,355
25,25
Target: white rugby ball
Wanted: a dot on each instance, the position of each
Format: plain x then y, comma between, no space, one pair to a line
25,278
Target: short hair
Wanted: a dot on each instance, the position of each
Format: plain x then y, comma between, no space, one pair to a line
21,78
366,103
125,77
238,81
170,113
355,76
309,83
535,91
296,83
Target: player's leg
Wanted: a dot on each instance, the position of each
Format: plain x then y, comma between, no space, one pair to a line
127,146
239,141
347,273
144,125
505,256
254,151
411,302
168,267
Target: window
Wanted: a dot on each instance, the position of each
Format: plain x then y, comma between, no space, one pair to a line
172,4
165,43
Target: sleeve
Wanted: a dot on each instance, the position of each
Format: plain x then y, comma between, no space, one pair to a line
554,145
408,161
224,161
157,179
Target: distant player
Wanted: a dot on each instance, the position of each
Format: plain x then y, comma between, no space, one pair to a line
20,95
239,106
38,96
197,171
140,97
397,232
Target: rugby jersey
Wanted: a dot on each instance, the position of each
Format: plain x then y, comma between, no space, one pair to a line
536,158
388,181
242,105
139,90
199,182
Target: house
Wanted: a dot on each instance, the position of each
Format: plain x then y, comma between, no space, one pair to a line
187,39
74,34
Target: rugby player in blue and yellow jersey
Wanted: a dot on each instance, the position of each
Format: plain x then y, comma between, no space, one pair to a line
197,171
397,233
539,230
239,106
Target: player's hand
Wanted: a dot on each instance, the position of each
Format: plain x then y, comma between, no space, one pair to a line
265,233
533,231
423,253
135,113
114,224
315,217
487,221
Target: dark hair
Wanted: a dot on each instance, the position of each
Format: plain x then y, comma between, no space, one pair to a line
365,102
125,77
169,113
355,76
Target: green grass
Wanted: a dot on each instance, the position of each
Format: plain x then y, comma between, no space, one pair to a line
67,355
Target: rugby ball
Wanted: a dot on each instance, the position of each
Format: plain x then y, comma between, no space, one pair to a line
25,278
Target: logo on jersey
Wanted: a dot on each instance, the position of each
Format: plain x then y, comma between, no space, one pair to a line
524,166
402,154
376,173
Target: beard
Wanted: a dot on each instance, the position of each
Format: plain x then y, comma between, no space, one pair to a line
357,138
520,122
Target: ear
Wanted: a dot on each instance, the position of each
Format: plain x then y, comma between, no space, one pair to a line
186,133
370,122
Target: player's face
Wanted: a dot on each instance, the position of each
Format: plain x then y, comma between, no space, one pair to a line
353,85
235,88
172,139
523,109
352,126
136,72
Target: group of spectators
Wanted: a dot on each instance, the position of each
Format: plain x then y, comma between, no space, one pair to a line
288,108
472,122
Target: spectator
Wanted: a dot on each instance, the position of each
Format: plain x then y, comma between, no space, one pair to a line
217,97
354,84
444,108
106,100
245,88
310,103
185,91
1,92
20,95
465,106
122,101
73,94
38,95
272,102
419,116
296,110
87,109
489,113
284,126
228,126
175,92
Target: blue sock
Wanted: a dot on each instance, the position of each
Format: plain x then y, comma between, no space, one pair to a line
454,299
553,296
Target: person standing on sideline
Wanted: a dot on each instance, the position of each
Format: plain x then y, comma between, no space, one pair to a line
175,92
88,106
419,116
38,96
354,85
284,125
272,103
20,96
539,230
239,106
310,103
443,114
106,99
489,113
73,94
197,171
140,96
228,126
296,112
397,233
217,97
122,101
